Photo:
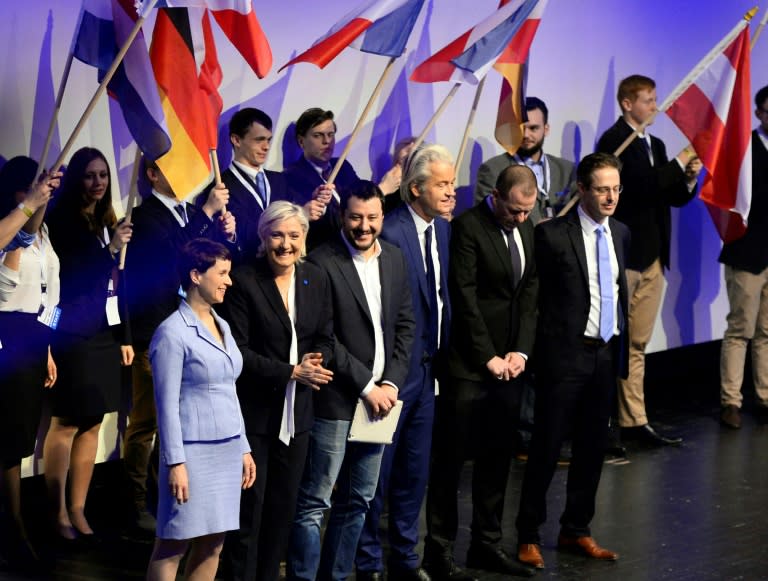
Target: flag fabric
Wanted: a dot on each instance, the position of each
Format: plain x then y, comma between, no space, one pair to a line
513,66
188,75
714,113
468,58
103,27
378,27
238,21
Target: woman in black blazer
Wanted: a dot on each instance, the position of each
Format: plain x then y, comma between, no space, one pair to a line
91,341
279,310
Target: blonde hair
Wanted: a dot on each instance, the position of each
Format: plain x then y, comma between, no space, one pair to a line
276,213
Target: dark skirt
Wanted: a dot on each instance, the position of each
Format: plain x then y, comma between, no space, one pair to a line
23,369
89,374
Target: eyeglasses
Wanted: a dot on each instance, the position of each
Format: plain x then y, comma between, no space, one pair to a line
605,190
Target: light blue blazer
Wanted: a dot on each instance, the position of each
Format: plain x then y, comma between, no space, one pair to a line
194,383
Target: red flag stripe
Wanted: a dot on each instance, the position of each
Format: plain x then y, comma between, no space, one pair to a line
245,32
439,66
517,50
326,50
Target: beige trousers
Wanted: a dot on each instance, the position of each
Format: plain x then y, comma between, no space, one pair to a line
747,320
645,290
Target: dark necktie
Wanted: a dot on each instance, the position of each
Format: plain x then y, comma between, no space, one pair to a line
606,285
432,291
647,147
261,188
514,255
326,173
182,211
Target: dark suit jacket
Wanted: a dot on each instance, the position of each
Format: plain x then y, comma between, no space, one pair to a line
400,230
562,178
489,316
86,267
649,191
262,330
564,293
354,345
247,210
150,263
750,252
302,180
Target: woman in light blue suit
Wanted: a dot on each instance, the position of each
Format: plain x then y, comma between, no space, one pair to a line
204,455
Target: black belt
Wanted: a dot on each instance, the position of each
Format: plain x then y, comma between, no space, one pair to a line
594,342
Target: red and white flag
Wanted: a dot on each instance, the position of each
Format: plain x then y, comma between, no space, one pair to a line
712,107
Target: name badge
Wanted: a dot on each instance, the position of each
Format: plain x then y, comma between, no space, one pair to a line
113,313
49,316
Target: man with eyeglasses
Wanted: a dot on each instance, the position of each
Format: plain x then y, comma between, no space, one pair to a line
746,279
653,184
492,283
581,349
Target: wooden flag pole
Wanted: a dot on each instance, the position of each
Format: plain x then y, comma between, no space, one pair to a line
468,128
103,85
677,91
420,139
132,194
759,30
216,171
360,121
56,109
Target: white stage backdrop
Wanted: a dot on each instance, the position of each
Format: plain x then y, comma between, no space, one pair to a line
581,51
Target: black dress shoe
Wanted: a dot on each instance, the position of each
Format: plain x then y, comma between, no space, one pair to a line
647,435
445,569
494,558
406,574
369,576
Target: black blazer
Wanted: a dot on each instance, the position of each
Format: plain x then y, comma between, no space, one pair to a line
303,179
247,209
564,297
354,344
86,268
152,278
649,191
262,330
490,317
750,252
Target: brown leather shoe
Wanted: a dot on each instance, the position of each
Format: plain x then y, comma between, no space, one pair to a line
731,417
586,546
530,554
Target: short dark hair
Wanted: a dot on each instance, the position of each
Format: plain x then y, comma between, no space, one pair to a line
761,96
631,86
592,162
532,103
311,118
515,175
16,175
199,254
243,119
363,190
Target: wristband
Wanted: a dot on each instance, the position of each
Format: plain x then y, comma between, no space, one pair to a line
27,211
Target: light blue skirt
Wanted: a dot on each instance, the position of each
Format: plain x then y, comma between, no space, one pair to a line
215,475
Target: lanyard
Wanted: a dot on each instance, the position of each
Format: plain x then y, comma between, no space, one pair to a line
248,185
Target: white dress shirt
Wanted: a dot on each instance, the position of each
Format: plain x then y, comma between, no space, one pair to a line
252,173
588,228
22,290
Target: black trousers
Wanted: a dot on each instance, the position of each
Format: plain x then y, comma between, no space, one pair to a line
576,402
266,509
472,420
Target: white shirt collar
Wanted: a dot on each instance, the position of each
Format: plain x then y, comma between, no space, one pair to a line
356,254
421,223
588,224
248,170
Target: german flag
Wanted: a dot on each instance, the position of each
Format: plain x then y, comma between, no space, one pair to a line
188,76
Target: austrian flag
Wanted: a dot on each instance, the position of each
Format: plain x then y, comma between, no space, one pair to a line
714,112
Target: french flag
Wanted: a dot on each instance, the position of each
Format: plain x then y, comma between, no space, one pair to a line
468,58
713,110
378,27
237,19
104,26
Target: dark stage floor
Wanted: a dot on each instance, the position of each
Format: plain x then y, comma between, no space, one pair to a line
697,512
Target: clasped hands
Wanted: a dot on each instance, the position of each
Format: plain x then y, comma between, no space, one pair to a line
512,365
311,371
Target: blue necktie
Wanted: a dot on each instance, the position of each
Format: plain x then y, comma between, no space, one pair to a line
182,211
432,291
261,188
606,285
